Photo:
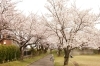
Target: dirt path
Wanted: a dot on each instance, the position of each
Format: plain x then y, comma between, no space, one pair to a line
46,61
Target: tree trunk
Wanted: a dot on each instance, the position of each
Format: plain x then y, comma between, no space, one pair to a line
66,57
99,50
51,51
22,53
45,50
59,51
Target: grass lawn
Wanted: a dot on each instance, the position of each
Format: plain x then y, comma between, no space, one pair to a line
82,60
25,62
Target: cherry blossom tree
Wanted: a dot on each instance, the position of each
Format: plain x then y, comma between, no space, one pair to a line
7,10
28,31
67,22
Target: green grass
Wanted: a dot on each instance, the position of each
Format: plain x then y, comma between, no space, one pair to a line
25,62
82,60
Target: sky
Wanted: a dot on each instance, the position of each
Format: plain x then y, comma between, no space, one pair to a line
28,6
37,6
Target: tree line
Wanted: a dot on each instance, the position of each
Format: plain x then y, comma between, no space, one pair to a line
63,27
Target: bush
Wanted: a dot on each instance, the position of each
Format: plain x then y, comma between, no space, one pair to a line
9,53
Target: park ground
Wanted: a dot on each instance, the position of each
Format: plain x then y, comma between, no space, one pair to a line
82,60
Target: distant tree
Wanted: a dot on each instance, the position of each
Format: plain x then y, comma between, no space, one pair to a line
41,34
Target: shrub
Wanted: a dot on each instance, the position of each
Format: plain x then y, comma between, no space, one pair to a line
9,53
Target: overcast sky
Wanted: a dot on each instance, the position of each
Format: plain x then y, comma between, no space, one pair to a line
27,6
37,6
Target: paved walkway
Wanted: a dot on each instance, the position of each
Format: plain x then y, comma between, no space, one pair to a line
46,61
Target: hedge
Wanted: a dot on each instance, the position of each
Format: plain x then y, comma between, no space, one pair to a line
9,53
